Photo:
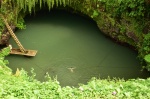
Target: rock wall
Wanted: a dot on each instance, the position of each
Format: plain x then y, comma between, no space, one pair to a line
122,28
126,22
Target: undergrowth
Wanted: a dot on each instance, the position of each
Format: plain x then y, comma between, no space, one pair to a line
25,87
22,86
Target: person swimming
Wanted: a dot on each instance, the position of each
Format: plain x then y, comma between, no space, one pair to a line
72,69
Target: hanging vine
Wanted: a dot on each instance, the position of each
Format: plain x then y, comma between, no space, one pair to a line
11,8
29,5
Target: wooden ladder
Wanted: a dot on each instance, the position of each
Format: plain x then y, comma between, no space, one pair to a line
22,49
13,35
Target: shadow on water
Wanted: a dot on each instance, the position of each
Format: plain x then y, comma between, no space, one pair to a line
73,48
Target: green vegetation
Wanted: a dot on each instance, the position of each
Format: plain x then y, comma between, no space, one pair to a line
147,59
124,20
22,86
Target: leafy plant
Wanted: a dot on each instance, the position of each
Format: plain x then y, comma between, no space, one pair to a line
21,87
145,46
146,43
95,14
3,68
20,24
4,52
29,5
147,59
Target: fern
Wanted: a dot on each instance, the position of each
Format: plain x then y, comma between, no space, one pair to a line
30,4
147,59
4,52
64,2
57,2
49,4
15,6
40,1
52,3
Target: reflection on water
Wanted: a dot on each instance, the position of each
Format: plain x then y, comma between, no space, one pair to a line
73,48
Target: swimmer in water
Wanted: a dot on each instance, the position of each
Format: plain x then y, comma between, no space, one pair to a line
72,69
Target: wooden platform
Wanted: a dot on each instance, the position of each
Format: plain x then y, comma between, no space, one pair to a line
18,52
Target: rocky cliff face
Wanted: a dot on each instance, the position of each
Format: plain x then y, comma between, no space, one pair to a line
122,27
125,22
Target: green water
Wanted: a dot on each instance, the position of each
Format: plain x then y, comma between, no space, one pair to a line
67,41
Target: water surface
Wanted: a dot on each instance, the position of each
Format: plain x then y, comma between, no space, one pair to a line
73,48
